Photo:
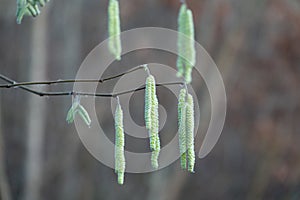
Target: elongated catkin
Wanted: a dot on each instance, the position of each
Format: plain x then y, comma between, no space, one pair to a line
190,132
190,49
152,119
182,131
119,144
182,137
148,100
186,59
155,144
153,115
180,41
114,29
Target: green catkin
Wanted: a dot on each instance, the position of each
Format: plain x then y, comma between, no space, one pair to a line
153,116
148,100
181,103
154,136
114,29
84,115
120,178
181,125
152,119
22,10
37,9
185,44
189,32
41,2
182,137
190,50
72,111
119,144
180,42
32,10
77,108
28,7
154,159
188,74
190,132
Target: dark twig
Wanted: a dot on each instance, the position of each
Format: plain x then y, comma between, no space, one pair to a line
69,93
143,87
14,84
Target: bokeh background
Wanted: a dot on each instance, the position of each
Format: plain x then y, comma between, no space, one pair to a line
256,47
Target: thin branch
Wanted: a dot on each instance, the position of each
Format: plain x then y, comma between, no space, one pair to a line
15,84
70,93
143,87
21,87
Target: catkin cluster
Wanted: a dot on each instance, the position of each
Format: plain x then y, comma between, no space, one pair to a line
77,108
186,59
119,145
186,130
182,127
29,7
152,119
114,29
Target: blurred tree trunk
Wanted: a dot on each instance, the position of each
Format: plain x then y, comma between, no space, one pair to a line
5,192
36,111
69,17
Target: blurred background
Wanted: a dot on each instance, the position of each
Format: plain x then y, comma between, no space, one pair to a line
255,45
